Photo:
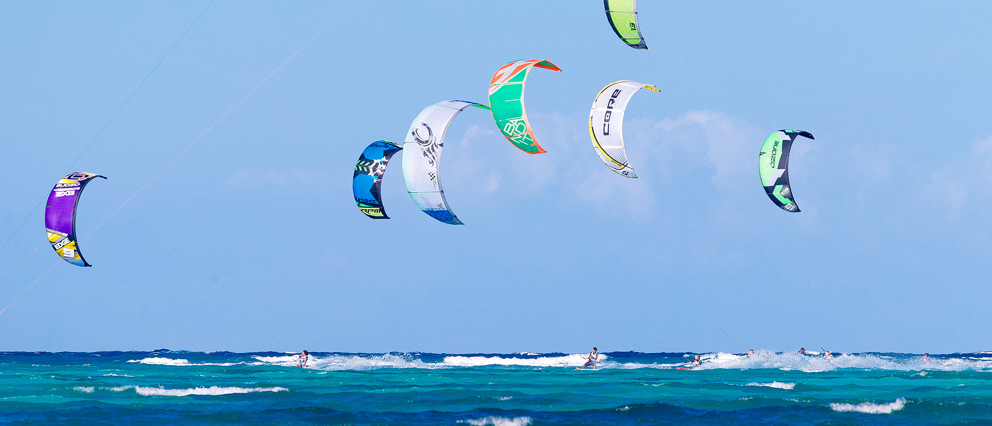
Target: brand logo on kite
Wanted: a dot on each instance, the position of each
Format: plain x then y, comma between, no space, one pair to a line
430,144
772,163
65,192
78,176
377,168
609,112
515,126
60,243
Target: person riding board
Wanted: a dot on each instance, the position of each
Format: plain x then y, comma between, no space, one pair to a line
590,360
302,360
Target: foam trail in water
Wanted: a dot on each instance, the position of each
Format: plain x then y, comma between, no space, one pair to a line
869,408
498,421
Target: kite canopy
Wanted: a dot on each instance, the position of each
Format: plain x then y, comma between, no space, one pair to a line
606,124
622,15
422,161
60,216
367,180
506,96
773,167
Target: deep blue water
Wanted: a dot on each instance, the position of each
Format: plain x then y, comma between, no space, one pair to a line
165,387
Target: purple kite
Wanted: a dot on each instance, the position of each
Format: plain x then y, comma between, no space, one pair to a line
60,216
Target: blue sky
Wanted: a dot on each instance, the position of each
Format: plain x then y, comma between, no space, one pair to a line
251,240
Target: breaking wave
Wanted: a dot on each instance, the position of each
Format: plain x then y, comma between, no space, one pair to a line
349,362
178,362
626,361
574,360
869,408
367,362
812,364
204,391
776,385
212,391
498,421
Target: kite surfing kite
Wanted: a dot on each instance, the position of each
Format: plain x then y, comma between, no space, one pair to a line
622,15
606,124
422,158
773,167
506,97
367,181
60,216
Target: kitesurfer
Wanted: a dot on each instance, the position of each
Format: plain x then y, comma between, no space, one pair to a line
302,360
749,353
802,351
696,361
591,359
926,357
827,354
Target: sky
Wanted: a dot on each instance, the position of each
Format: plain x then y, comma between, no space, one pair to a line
228,132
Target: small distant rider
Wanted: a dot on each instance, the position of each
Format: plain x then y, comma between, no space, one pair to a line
591,359
696,361
926,357
827,354
749,353
802,351
302,360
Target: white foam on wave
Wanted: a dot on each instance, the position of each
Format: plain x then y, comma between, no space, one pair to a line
349,362
574,360
776,385
119,388
210,391
179,362
498,421
87,389
869,408
161,361
813,364
367,362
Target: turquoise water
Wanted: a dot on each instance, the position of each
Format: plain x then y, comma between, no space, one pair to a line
165,387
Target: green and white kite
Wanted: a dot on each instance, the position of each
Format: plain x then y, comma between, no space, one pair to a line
773,167
506,98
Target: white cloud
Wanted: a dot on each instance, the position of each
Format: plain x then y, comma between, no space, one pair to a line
731,142
983,145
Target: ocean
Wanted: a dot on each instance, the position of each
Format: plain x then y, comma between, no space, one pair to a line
179,387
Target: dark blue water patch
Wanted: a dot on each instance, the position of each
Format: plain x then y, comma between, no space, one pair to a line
640,414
